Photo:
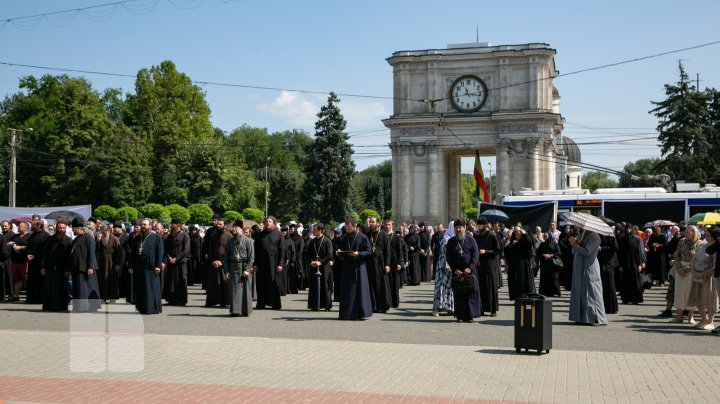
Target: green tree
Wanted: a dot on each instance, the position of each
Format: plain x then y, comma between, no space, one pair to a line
232,215
179,212
597,179
200,213
649,166
373,187
471,213
685,131
105,211
155,211
329,168
170,112
253,214
368,213
127,214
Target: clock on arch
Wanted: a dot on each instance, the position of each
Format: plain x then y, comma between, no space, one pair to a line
468,93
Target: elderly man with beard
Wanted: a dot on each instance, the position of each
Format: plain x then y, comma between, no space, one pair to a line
55,269
378,267
145,264
353,249
109,257
320,254
83,264
269,255
124,239
488,248
462,256
217,287
177,252
237,267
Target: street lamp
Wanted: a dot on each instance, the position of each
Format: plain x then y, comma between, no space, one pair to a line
267,191
14,143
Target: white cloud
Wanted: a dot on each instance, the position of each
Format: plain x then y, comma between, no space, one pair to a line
293,109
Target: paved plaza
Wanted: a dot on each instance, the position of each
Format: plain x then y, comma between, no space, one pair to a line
197,354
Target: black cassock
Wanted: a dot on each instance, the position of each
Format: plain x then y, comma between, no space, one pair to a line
146,255
320,249
380,293
549,272
413,271
519,257
461,254
487,270
296,274
86,292
35,247
630,256
216,285
424,256
354,286
396,259
607,258
269,253
55,262
175,289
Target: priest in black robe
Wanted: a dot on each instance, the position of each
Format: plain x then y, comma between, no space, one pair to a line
353,248
195,259
424,255
519,255
269,255
548,253
36,244
55,269
396,257
378,267
146,261
177,253
607,258
216,285
296,274
320,253
462,257
124,239
413,245
83,264
488,248
631,258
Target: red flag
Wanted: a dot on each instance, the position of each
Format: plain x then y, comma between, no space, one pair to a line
481,190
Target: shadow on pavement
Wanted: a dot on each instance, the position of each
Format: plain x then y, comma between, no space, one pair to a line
306,318
498,351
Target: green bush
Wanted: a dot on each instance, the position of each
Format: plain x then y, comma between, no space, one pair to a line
155,211
253,214
127,214
368,213
388,214
180,212
232,215
200,213
106,212
471,213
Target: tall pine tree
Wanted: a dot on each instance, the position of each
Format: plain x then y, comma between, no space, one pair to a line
685,131
329,168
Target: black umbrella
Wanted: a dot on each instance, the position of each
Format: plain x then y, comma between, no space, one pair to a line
494,215
70,215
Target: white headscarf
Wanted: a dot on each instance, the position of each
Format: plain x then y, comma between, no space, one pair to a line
450,232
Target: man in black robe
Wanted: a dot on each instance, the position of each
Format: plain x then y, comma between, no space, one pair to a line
289,256
269,255
83,264
488,249
217,286
396,256
378,267
413,245
631,259
353,248
124,239
195,259
320,253
462,258
146,260
206,263
177,252
296,275
336,269
55,269
5,252
36,245
424,253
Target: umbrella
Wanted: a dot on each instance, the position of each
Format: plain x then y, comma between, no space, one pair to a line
494,215
607,220
70,215
659,222
588,222
338,228
705,218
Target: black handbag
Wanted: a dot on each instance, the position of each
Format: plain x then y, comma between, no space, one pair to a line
463,284
645,281
557,261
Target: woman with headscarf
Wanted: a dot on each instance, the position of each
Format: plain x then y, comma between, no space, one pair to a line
567,256
682,266
703,293
444,299
519,255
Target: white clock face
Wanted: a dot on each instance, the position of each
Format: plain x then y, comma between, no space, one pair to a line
468,93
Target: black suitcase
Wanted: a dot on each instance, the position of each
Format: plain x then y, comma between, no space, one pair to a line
533,323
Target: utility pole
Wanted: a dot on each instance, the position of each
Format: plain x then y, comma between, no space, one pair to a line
267,191
14,143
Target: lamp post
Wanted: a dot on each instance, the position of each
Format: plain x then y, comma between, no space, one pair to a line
14,143
267,191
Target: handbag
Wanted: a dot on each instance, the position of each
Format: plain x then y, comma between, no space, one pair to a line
645,281
557,261
463,284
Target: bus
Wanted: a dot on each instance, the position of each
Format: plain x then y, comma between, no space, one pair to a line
634,205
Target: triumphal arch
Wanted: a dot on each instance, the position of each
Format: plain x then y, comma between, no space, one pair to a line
448,103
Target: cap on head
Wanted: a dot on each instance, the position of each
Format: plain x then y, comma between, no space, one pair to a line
78,222
459,222
175,220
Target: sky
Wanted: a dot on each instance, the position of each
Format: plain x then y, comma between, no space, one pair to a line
341,46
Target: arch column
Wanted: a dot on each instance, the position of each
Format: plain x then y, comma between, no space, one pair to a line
533,146
502,175
549,149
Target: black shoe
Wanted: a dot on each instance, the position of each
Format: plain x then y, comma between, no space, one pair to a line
234,315
493,314
666,313
468,321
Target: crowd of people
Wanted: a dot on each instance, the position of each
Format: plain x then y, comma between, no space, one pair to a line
360,266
